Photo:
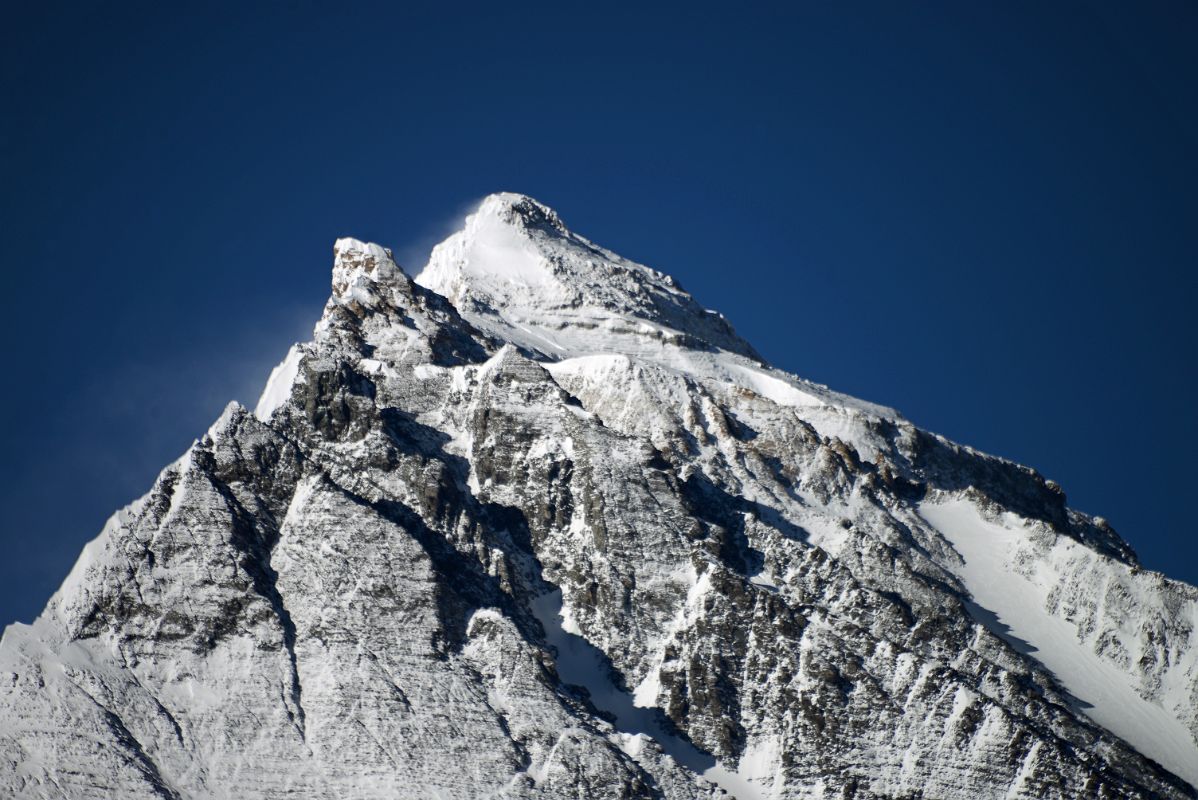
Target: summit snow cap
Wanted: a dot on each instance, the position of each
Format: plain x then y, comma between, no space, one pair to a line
515,261
516,272
520,209
357,265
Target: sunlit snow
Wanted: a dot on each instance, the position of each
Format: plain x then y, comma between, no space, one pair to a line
1106,693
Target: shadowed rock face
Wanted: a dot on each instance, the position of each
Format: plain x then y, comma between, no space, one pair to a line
537,524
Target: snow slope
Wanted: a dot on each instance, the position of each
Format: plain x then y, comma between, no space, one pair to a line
1018,600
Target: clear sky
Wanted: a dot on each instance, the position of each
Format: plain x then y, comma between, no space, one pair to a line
983,214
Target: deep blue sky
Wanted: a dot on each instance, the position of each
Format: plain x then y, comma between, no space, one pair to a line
985,215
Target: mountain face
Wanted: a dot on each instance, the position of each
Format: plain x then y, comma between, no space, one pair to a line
536,524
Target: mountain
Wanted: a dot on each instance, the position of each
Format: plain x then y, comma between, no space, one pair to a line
536,524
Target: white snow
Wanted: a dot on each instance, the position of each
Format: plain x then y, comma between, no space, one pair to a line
645,694
488,252
582,664
1107,695
568,299
781,391
90,555
278,386
348,244
761,761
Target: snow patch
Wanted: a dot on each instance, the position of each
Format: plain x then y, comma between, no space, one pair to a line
1107,694
582,664
278,386
780,391
761,761
487,252
348,244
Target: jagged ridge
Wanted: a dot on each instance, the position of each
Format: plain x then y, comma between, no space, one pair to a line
539,525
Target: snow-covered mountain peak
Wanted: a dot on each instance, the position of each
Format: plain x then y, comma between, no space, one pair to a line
357,265
349,247
520,210
540,526
517,273
516,269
